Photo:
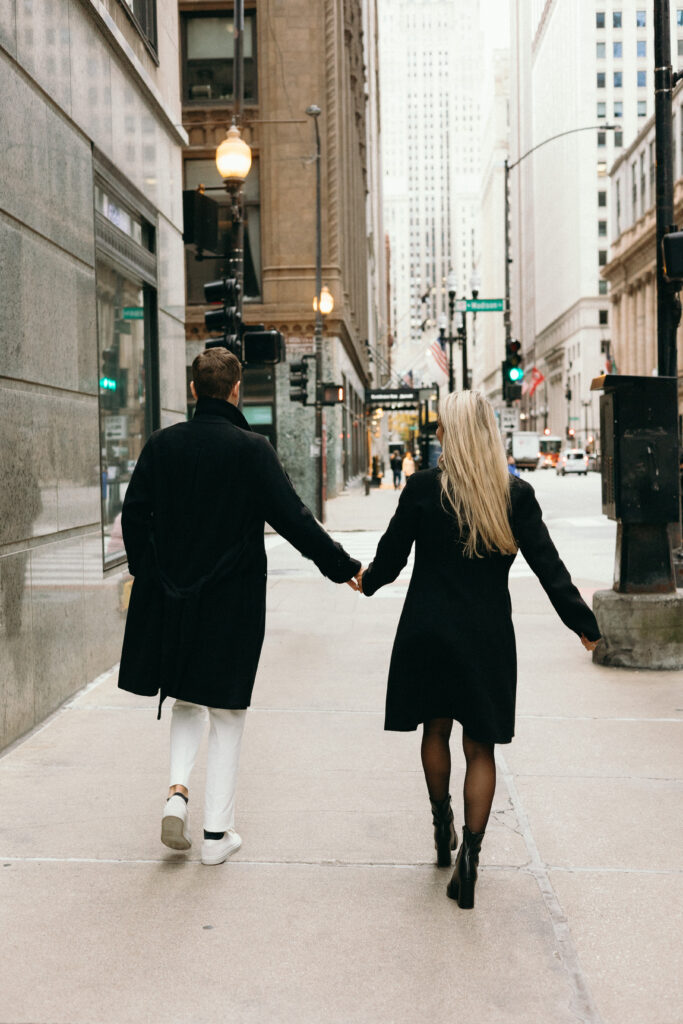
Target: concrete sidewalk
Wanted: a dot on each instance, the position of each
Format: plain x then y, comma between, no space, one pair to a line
334,910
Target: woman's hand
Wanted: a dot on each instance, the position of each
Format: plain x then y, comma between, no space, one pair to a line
590,645
356,582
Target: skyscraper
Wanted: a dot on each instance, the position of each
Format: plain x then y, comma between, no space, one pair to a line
581,88
429,71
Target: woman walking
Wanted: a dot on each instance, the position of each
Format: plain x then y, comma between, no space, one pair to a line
408,465
454,653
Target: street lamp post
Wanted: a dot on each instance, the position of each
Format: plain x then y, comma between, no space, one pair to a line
452,287
462,335
314,112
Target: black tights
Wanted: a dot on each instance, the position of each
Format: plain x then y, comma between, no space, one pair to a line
480,773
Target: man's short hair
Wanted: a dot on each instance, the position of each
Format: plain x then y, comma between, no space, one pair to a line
215,373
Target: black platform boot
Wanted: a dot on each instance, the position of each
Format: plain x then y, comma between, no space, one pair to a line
445,838
461,885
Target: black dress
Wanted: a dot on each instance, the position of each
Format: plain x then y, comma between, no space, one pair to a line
454,654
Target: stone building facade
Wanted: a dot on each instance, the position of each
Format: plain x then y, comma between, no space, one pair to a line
92,347
631,341
296,55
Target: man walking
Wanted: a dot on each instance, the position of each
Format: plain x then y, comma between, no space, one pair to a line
193,521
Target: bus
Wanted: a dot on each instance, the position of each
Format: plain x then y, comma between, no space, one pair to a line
549,448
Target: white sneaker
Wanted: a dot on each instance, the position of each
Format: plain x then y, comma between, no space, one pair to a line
215,851
175,832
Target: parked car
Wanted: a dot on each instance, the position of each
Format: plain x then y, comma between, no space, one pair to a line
572,460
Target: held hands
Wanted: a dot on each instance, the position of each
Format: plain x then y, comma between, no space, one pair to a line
590,645
356,582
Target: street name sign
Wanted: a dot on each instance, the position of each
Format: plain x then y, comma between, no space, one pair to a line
479,305
133,313
392,398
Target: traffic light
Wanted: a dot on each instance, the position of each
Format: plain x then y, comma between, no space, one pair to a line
110,379
571,433
298,382
331,394
261,346
513,371
227,318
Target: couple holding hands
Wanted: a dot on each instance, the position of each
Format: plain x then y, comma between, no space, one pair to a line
193,526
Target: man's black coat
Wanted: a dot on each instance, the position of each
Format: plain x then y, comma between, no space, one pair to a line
193,520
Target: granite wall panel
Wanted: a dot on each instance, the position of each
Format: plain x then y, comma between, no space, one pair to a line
172,364
90,79
44,48
16,654
8,26
48,322
58,619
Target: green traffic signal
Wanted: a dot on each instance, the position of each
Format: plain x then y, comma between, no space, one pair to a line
515,373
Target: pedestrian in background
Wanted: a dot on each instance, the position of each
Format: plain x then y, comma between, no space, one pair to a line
454,653
512,466
193,526
396,468
408,465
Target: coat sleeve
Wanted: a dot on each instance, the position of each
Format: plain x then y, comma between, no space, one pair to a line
535,543
394,547
136,515
285,511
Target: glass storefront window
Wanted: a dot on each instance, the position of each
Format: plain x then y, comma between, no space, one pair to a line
205,172
125,412
208,42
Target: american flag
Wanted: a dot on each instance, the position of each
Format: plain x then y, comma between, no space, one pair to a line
438,350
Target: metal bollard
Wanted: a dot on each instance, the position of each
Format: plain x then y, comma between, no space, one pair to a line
366,484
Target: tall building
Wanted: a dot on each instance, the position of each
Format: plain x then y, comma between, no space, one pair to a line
574,68
630,341
430,67
296,55
91,324
487,331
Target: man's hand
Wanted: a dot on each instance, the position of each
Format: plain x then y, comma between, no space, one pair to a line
590,645
356,582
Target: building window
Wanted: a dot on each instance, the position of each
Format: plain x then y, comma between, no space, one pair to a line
618,205
198,273
634,192
641,48
602,110
602,168
603,316
602,138
679,17
601,79
616,19
652,168
602,198
618,139
642,79
618,109
640,19
599,19
602,257
143,14
642,183
125,273
618,77
602,228
680,47
617,50
599,50
208,49
602,287
642,108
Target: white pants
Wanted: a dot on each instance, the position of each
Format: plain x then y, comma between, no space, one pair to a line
188,723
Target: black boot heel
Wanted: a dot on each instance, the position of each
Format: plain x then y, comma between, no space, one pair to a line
461,885
445,838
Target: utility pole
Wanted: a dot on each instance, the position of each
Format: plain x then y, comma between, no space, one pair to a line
668,301
314,112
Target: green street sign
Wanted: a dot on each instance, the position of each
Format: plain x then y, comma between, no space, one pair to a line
485,305
133,313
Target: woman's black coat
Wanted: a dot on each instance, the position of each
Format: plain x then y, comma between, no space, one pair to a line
454,654
193,520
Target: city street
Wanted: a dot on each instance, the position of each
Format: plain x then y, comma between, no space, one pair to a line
333,909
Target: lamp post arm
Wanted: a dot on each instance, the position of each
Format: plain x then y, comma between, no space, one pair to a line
561,135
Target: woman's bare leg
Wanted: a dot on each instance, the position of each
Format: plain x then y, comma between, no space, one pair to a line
480,782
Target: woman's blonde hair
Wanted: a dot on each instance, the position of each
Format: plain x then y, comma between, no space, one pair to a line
475,480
